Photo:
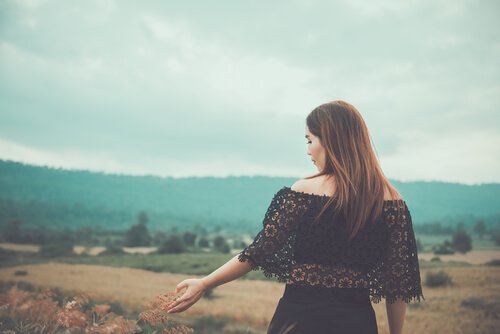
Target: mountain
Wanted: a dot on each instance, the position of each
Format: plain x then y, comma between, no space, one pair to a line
61,198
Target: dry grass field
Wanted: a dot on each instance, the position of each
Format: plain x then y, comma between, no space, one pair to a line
252,303
472,257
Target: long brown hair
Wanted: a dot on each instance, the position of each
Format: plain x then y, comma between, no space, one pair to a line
351,160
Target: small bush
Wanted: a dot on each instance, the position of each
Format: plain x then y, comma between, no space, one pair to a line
475,303
436,279
209,294
221,245
21,285
493,263
495,236
20,273
113,249
462,241
436,259
445,248
173,244
57,249
203,243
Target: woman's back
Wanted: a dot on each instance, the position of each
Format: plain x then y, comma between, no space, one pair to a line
326,273
382,257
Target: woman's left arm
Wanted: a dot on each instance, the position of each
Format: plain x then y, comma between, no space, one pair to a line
196,287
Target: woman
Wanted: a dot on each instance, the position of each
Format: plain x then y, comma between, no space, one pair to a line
339,239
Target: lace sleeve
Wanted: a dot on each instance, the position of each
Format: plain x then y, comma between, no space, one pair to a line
272,249
398,276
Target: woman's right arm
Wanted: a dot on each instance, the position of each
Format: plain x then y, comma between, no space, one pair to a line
229,271
396,316
196,287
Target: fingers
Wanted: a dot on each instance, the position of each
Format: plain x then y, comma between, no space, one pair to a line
179,300
180,286
183,303
179,306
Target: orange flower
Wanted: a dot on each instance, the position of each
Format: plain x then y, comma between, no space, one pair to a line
71,318
101,310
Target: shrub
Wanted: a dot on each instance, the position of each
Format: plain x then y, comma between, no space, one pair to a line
113,249
495,236
189,238
203,243
445,248
436,279
462,241
20,273
57,249
221,244
473,303
239,244
173,244
138,235
209,294
21,285
436,259
493,263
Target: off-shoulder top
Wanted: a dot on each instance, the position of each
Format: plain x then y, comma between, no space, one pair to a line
382,258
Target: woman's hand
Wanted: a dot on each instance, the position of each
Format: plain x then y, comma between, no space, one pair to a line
196,288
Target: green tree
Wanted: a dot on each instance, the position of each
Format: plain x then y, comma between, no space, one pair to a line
138,235
445,248
173,244
203,243
462,241
12,231
221,244
480,228
495,236
57,248
84,235
159,238
237,243
189,238
420,247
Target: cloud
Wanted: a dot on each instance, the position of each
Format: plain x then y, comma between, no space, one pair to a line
96,161
174,85
470,159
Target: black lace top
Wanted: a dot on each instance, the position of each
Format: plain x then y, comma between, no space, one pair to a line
382,258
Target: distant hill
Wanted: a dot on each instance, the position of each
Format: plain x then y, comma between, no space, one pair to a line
64,198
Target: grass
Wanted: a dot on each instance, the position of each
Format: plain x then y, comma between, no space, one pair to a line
428,241
186,263
468,306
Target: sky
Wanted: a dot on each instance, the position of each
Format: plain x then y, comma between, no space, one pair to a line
198,88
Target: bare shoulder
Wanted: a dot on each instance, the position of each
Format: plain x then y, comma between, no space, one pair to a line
301,185
320,185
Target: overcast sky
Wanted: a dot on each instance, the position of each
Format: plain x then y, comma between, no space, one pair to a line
177,88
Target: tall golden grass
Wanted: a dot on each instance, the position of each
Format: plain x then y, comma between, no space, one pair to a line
253,303
41,313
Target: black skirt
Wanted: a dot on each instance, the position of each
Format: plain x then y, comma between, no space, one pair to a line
317,310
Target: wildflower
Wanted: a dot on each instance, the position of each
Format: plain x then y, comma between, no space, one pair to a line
101,310
71,318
